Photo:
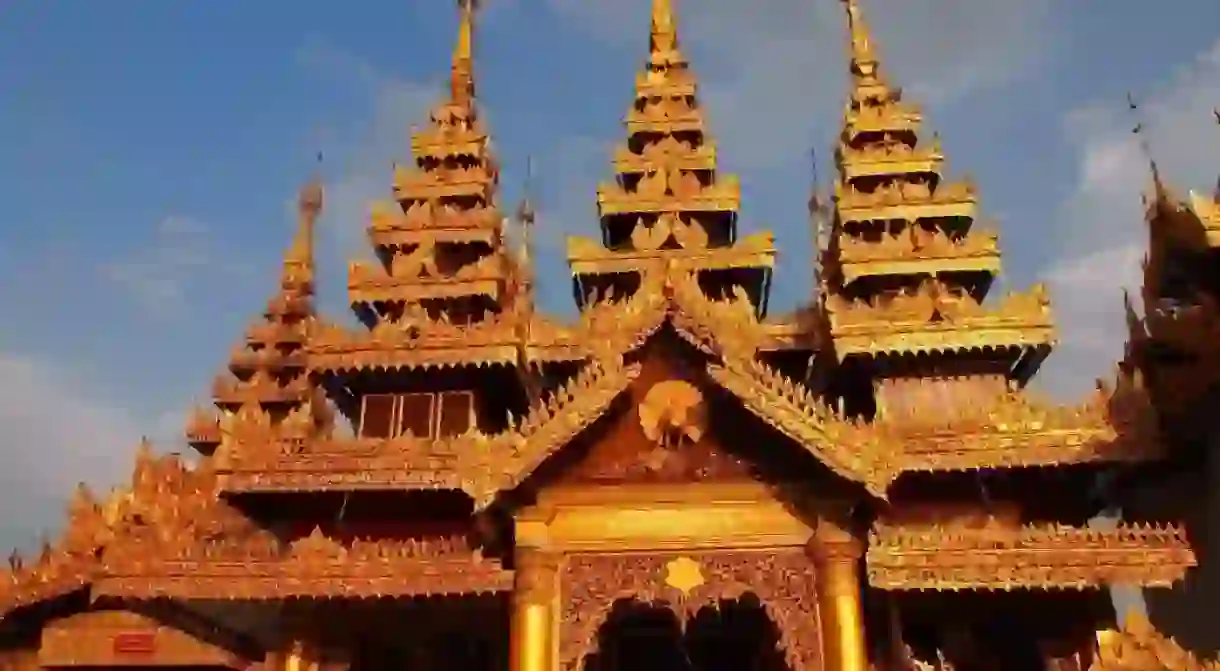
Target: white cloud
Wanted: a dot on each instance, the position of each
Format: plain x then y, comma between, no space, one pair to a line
159,274
1102,227
58,430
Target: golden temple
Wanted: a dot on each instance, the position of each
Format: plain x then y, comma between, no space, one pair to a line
674,479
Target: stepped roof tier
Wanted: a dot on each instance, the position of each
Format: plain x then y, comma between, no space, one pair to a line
903,240
442,237
669,208
267,375
507,475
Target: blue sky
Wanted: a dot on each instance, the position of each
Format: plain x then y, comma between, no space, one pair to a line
150,153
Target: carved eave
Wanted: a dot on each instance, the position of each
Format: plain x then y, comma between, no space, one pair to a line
370,283
89,639
203,428
947,201
246,360
261,388
314,567
893,116
977,252
627,162
1207,209
391,227
441,143
900,160
274,333
460,463
722,196
413,184
915,323
549,341
1017,448
1115,425
1001,557
53,577
646,122
852,450
587,257
792,333
881,339
675,83
335,349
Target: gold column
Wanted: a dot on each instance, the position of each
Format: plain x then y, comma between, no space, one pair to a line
535,623
839,597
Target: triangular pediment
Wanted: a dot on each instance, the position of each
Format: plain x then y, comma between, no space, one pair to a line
674,424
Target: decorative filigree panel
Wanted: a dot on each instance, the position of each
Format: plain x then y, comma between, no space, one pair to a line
784,581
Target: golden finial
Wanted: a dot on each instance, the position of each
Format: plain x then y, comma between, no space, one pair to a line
461,82
298,263
664,35
863,59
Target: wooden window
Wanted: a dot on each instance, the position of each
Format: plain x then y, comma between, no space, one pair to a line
377,416
423,415
416,415
456,409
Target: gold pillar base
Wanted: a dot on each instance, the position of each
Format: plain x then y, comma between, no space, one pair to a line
839,603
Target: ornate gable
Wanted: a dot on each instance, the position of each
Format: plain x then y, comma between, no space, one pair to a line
661,431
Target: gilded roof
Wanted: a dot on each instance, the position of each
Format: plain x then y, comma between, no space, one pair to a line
1047,556
169,534
681,210
897,217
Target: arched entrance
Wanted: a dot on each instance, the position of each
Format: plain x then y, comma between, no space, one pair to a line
731,635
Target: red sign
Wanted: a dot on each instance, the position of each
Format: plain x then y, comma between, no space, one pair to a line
134,643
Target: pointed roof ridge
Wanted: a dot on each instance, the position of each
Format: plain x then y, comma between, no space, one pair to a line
461,73
865,64
663,35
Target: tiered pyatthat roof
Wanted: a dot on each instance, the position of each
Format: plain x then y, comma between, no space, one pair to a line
1174,343
668,207
442,240
904,267
267,382
447,290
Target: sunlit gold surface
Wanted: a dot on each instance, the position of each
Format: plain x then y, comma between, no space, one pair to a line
839,590
535,613
581,544
661,517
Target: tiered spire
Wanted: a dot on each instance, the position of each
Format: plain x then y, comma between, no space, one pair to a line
668,206
440,245
267,383
903,236
1174,344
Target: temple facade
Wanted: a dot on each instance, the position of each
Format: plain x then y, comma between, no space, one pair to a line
675,479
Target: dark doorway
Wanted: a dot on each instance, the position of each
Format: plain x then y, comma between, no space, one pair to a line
733,635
